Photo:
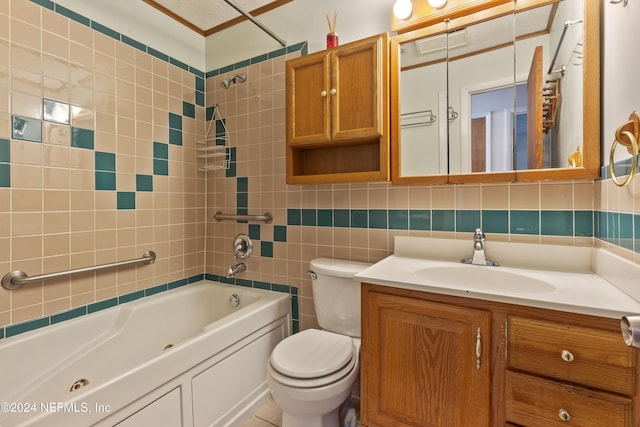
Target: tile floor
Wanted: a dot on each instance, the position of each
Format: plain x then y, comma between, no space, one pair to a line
267,415
270,415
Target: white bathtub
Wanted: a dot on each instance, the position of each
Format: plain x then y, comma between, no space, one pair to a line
184,357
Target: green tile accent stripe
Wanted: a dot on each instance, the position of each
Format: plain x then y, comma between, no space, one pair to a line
5,158
144,182
126,200
547,222
82,138
96,26
105,180
5,175
175,121
302,47
160,151
105,161
5,150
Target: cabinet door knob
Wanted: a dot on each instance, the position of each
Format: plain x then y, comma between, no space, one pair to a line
334,91
567,356
564,415
323,93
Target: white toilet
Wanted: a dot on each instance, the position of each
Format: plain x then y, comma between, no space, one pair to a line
312,373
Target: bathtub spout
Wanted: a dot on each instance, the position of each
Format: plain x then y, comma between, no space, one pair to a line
235,269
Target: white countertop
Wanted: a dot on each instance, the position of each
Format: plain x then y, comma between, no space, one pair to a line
577,288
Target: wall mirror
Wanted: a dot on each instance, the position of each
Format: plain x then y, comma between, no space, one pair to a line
506,94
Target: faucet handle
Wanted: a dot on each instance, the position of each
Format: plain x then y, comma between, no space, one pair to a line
479,234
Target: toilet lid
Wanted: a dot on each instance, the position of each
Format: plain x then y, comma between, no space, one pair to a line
312,353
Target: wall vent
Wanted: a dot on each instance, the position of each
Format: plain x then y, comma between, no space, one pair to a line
437,43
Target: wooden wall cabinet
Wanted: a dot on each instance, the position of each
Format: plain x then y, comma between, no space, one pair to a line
538,367
337,114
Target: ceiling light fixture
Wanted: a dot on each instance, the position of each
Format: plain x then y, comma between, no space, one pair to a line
402,9
438,4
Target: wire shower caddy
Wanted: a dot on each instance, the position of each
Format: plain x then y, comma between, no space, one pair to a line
215,149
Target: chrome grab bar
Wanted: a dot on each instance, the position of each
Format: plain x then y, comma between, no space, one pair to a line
16,279
266,218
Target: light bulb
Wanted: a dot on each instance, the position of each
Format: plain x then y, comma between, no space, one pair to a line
402,9
438,4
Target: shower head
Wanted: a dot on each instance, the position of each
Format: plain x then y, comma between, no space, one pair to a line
238,78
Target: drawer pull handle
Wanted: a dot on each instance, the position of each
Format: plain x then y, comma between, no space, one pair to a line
323,93
478,348
567,356
564,415
334,91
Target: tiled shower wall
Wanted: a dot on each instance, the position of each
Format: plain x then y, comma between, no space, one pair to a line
115,181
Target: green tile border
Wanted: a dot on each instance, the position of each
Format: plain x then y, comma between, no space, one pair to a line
5,150
579,223
41,322
5,175
302,47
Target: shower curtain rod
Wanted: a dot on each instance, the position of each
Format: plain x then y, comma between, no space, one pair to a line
255,21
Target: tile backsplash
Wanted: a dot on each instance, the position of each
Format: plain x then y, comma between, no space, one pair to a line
121,177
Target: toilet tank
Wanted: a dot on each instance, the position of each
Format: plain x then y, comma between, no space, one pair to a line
336,294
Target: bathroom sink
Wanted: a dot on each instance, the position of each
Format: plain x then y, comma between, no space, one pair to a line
482,278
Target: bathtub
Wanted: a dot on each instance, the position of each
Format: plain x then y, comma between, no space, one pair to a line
185,357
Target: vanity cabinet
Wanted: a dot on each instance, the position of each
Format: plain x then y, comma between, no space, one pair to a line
538,367
423,363
337,115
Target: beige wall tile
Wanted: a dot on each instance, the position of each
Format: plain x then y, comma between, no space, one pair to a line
442,197
524,196
495,196
26,224
556,196
468,197
26,200
25,34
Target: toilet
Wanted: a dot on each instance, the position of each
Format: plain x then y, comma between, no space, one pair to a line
311,373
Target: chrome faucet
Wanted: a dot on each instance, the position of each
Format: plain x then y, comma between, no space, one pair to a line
479,257
235,269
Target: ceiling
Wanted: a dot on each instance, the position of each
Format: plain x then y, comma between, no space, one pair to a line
210,16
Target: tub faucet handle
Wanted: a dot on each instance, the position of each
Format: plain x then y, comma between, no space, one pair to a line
242,246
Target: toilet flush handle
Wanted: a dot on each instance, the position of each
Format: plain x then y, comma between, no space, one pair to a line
312,274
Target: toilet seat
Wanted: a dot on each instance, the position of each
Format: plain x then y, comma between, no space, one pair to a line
312,358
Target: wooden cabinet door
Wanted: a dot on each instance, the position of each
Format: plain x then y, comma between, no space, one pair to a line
308,100
423,363
358,78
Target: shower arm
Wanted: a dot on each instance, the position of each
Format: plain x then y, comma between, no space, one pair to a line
256,22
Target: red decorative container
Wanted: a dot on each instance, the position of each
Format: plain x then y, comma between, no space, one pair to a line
332,40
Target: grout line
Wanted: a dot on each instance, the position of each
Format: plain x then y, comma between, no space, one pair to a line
266,421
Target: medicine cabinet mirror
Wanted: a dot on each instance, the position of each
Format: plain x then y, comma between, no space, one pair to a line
510,93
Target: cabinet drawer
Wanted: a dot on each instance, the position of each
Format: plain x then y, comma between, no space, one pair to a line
591,357
532,401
